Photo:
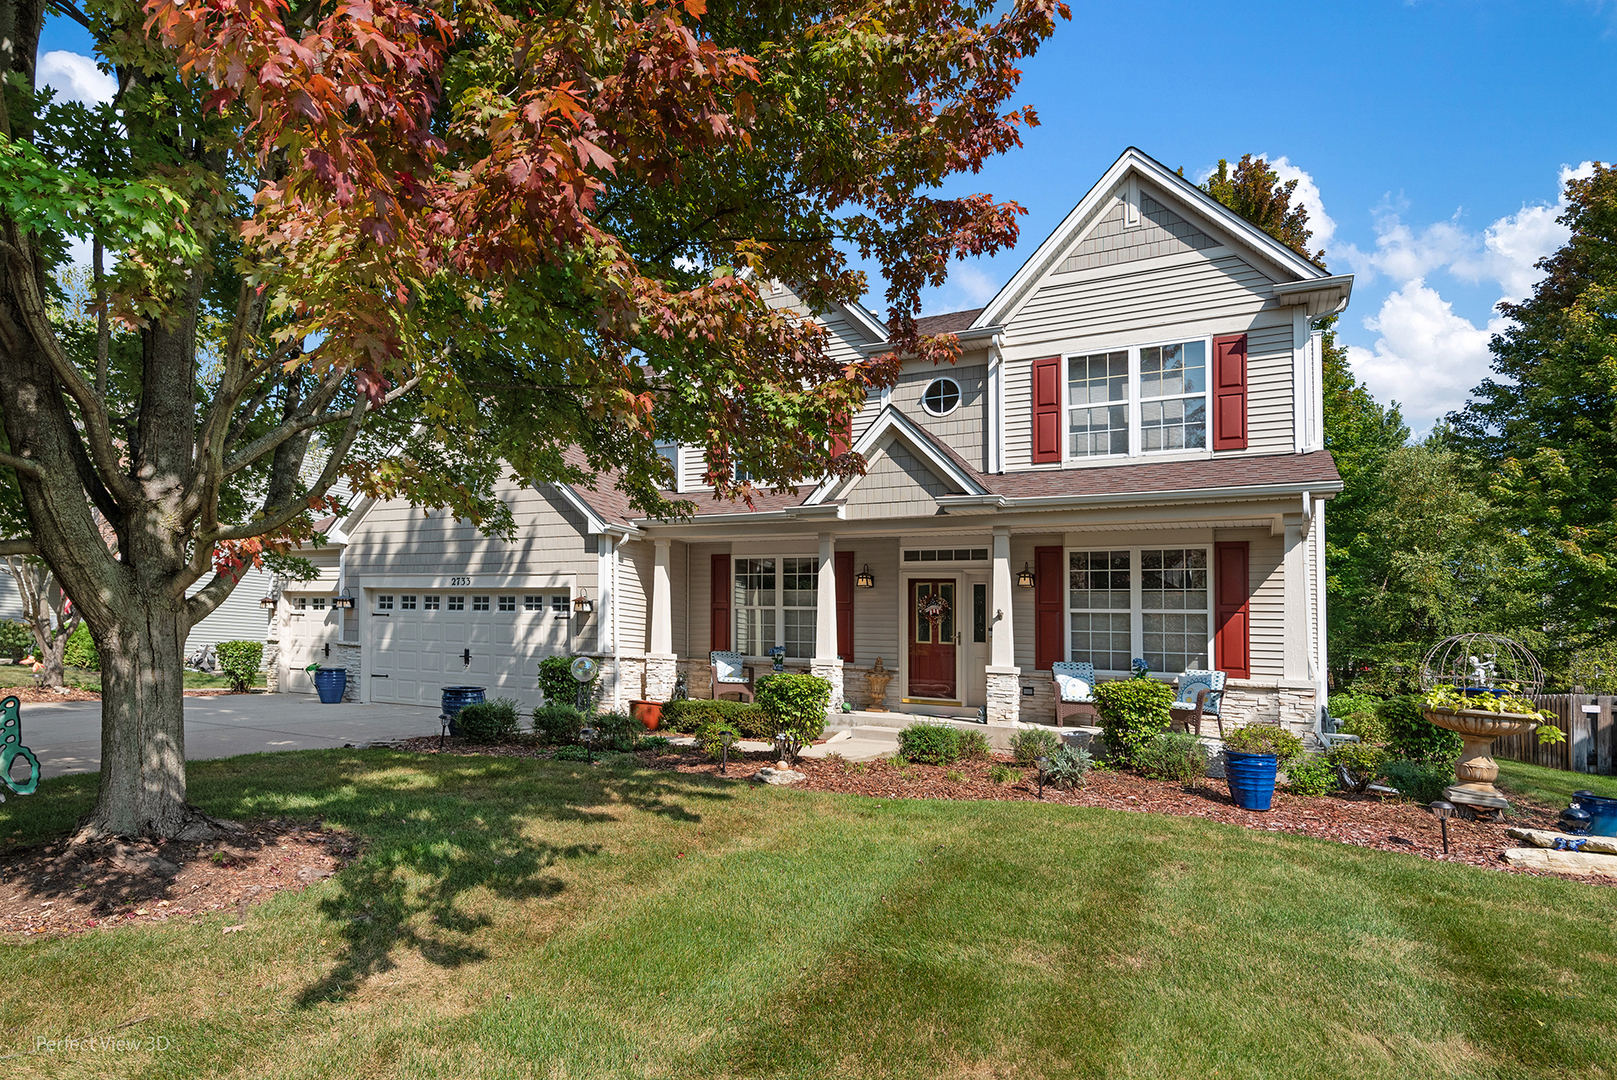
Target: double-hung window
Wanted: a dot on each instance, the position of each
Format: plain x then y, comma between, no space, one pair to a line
1143,400
775,603
1154,603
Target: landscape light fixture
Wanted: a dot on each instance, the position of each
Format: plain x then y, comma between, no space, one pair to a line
1025,578
582,605
1441,810
726,738
586,735
865,580
781,740
1043,764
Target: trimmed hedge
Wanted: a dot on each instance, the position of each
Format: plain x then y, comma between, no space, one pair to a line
1133,712
687,716
930,744
487,721
795,705
557,725
239,662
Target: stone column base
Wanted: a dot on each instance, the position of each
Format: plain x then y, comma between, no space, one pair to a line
661,670
831,671
1004,694
346,656
271,667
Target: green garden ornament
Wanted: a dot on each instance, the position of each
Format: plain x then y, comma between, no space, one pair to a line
11,746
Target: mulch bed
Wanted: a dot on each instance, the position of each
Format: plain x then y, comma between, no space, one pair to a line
65,887
1384,822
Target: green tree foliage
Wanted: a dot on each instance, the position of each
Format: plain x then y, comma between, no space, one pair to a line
1544,428
1255,192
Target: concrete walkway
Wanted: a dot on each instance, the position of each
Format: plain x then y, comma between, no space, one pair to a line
67,736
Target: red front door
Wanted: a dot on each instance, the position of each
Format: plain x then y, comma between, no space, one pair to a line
932,643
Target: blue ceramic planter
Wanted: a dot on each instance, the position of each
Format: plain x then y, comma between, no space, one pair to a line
1252,778
1602,813
456,698
330,683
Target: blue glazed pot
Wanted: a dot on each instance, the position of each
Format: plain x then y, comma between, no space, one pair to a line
1252,778
330,683
456,698
1602,813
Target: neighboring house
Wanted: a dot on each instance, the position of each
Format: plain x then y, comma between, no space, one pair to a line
1126,460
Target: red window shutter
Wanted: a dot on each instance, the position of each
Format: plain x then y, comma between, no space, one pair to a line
1229,393
1049,585
719,627
1232,587
844,569
841,437
1047,410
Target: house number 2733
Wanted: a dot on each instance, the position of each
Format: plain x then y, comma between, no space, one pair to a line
459,581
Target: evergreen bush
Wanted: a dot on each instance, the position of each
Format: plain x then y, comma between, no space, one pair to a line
710,737
1422,781
81,651
557,682
16,640
974,746
1357,764
1132,713
617,731
1030,744
929,744
557,725
688,715
239,662
1312,774
487,721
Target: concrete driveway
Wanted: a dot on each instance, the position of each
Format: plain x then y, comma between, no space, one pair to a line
67,737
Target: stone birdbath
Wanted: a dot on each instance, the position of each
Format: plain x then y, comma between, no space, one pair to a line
1476,770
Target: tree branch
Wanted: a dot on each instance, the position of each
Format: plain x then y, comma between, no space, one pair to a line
18,547
23,465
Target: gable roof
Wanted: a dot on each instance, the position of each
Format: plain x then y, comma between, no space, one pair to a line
936,456
1134,161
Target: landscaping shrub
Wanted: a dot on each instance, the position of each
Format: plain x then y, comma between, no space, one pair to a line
616,731
81,651
572,753
796,705
1369,727
1348,702
1412,737
955,776
1132,713
1357,764
1311,775
557,725
929,744
974,746
1030,744
658,743
1000,773
688,715
710,736
488,721
239,662
1172,755
1265,739
1422,781
1068,766
16,640
556,680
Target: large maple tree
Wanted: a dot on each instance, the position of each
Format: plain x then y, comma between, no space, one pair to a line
421,244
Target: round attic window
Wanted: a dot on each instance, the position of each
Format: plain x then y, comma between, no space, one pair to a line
942,397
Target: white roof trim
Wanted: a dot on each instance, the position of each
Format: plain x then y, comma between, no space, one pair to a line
890,419
1136,161
594,522
867,321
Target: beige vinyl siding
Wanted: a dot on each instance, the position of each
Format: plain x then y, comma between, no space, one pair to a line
1267,570
1269,364
636,564
678,568
1160,232
897,485
963,430
875,611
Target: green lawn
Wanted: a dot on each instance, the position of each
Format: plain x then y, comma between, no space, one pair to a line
521,918
82,679
1551,787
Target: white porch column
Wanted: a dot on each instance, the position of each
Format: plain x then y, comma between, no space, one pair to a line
661,663
1004,677
1297,587
826,663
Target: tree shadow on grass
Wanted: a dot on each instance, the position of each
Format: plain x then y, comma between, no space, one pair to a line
436,831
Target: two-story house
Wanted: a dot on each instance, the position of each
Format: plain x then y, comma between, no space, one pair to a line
1127,460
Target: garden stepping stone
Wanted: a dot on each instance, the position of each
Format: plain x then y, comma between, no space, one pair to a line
1593,845
779,776
1562,862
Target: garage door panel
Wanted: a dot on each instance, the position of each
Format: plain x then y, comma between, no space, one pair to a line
421,651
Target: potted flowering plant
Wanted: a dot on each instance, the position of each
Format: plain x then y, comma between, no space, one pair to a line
777,656
1252,755
1481,714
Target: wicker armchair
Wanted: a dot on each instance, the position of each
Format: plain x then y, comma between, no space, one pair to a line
730,676
1082,706
1201,693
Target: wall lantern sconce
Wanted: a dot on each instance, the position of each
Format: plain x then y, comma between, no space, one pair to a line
269,601
865,580
582,605
1025,578
342,603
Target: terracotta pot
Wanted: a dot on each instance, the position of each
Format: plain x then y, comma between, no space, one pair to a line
649,713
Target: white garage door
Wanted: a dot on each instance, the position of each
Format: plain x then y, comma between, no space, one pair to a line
308,623
422,642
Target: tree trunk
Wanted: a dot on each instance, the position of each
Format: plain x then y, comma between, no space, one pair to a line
51,657
142,789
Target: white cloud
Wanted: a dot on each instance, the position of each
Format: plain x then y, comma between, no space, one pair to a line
1427,358
968,287
1306,194
75,77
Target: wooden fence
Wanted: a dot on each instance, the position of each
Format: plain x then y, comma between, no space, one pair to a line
1591,736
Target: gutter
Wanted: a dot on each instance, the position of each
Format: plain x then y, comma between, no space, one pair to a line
1056,502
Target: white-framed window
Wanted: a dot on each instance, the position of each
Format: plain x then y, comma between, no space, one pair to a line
407,602
533,603
560,604
457,603
941,397
508,603
669,452
429,603
479,603
775,603
301,603
384,602
1145,399
1151,602
319,603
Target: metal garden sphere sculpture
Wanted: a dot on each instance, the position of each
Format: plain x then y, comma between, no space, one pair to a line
1481,661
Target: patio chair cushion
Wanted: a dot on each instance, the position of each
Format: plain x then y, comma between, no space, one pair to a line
728,668
1076,680
1192,681
1073,688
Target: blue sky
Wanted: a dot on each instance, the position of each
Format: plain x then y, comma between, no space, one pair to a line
1433,134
